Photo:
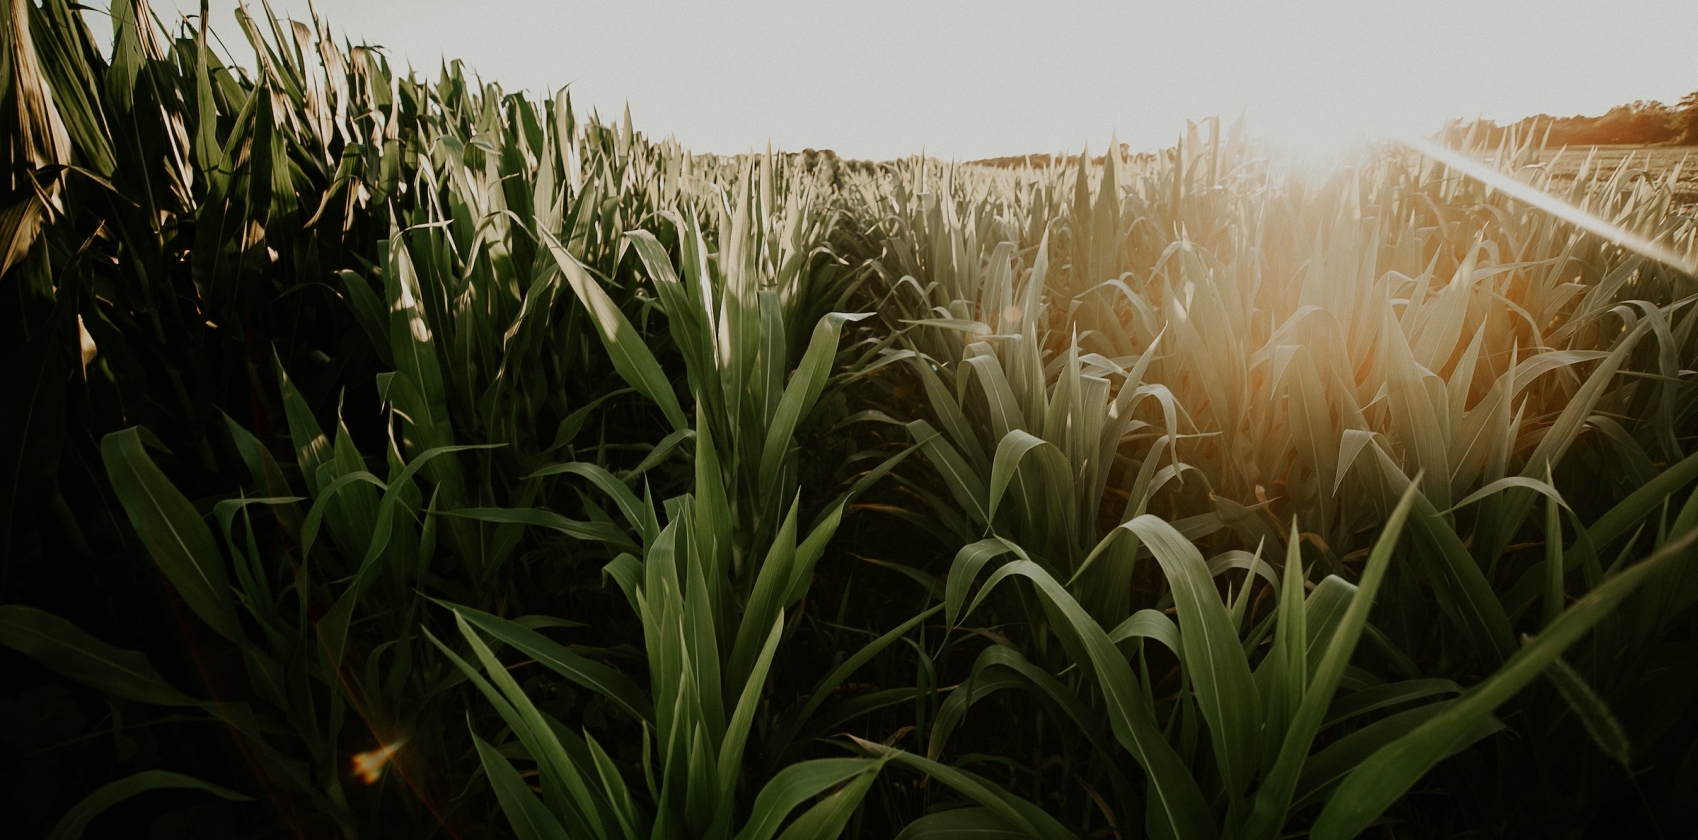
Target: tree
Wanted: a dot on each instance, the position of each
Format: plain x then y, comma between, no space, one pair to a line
1686,119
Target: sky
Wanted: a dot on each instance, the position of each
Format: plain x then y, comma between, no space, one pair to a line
965,80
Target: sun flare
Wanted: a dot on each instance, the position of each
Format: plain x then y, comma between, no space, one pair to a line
369,765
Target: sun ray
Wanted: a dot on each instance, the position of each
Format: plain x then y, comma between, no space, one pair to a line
1536,197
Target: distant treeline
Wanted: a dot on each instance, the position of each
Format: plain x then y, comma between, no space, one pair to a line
1041,161
1641,123
827,161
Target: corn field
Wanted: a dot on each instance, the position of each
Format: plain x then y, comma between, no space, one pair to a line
391,455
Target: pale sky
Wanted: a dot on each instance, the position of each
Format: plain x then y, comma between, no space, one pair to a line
883,78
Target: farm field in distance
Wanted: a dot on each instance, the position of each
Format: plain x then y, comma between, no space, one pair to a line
1655,161
387,453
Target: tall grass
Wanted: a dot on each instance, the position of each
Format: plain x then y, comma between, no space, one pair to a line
581,486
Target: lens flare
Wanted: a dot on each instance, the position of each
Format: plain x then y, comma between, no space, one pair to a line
369,765
1521,191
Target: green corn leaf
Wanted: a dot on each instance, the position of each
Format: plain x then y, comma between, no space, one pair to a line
1461,586
368,313
76,821
573,423
529,817
630,356
1010,452
1388,773
1023,816
1322,611
973,823
842,673
764,600
564,787
964,569
812,547
327,497
624,807
592,531
949,413
1629,512
1148,624
1383,696
964,484
827,818
1273,800
663,451
795,785
628,503
627,571
1287,664
1214,658
586,672
1555,566
999,668
65,649
312,447
262,467
1182,813
413,344
1502,484
802,392
1325,768
743,717
175,535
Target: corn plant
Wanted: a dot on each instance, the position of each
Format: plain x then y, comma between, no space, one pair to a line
713,582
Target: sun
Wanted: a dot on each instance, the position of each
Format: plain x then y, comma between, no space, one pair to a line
1321,140
1324,126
